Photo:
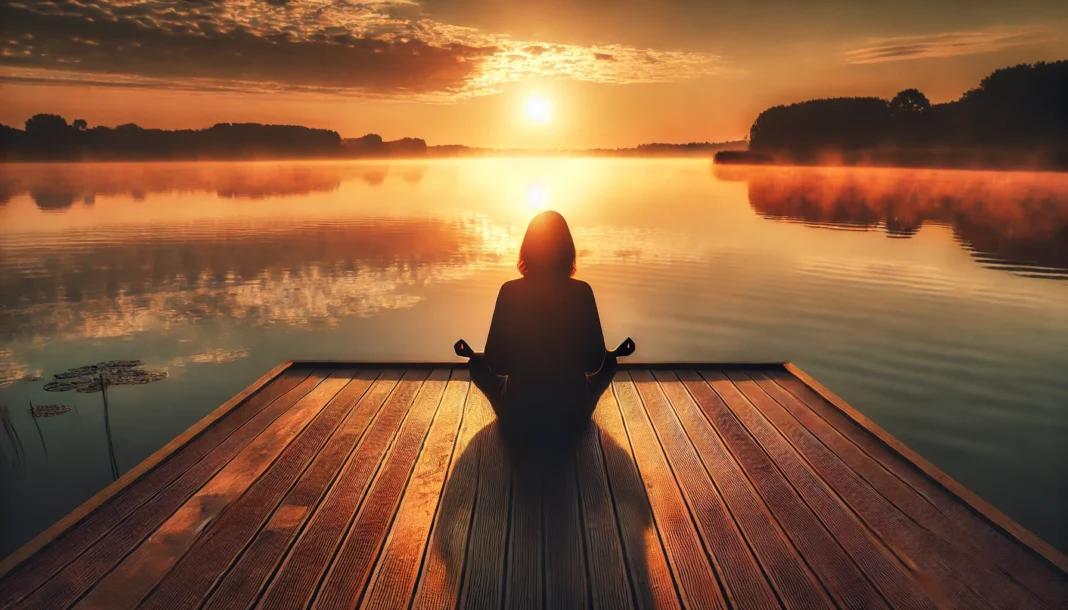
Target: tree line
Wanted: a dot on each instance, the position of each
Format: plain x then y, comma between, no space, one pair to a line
1019,110
51,137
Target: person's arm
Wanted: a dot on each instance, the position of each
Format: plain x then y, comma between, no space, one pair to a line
497,343
594,336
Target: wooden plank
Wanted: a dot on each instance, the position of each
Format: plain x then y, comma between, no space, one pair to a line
1034,563
647,561
958,574
608,582
243,583
741,575
77,577
439,579
221,544
303,566
347,576
890,576
690,442
132,579
46,554
488,543
918,550
973,538
843,579
394,580
694,572
565,554
523,574
990,514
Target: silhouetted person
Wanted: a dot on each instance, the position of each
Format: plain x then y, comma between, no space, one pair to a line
545,363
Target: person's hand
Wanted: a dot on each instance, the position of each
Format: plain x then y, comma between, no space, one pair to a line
463,349
625,349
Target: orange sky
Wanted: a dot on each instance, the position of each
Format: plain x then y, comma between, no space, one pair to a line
462,71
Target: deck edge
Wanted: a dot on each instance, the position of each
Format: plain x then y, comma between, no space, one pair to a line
77,515
977,505
624,366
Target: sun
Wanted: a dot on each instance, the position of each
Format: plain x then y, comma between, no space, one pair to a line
539,109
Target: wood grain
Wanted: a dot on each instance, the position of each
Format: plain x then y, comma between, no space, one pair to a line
297,578
884,569
483,585
439,579
1034,569
962,578
794,583
609,584
828,554
243,582
693,569
68,585
221,543
398,568
647,562
143,569
347,576
746,486
565,553
46,554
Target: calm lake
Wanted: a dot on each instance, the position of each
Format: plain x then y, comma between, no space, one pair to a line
935,302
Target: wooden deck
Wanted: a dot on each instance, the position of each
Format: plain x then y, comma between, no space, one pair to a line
337,485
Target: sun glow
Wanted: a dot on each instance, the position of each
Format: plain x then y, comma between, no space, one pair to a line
538,196
539,109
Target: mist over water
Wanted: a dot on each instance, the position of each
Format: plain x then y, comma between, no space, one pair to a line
935,302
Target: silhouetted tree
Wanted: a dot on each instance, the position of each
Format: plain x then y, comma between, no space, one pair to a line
909,102
49,136
1020,112
46,125
808,128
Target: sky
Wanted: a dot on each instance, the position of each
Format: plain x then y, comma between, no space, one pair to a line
499,73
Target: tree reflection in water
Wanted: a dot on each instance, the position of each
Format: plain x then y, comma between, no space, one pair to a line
1017,222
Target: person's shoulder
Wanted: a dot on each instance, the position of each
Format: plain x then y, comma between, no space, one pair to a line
580,286
510,287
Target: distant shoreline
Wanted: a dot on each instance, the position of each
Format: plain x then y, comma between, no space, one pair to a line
430,155
630,153
49,137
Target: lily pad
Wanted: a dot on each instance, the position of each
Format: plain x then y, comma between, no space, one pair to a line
106,367
49,410
86,379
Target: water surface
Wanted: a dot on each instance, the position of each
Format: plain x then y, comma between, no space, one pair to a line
935,302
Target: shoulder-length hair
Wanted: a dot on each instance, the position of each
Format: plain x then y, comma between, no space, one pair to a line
548,248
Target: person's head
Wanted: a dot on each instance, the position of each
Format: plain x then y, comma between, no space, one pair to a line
548,249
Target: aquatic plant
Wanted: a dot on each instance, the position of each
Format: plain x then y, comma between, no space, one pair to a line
33,415
49,410
91,378
96,378
11,433
107,427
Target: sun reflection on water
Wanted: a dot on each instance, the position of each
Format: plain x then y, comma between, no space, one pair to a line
538,197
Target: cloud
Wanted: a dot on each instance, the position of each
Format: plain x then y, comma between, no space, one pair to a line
946,44
363,48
